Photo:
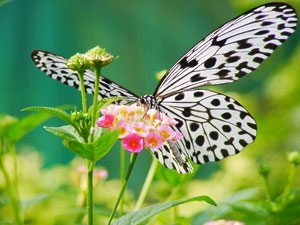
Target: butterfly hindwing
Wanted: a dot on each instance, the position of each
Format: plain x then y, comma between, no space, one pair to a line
166,157
231,51
213,125
55,67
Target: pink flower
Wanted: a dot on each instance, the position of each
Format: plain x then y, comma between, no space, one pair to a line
178,136
140,128
123,126
168,120
106,121
151,115
224,222
153,140
133,143
166,132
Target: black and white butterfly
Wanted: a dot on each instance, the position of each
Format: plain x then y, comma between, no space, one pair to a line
214,125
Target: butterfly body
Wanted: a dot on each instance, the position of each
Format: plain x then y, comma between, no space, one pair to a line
149,101
214,126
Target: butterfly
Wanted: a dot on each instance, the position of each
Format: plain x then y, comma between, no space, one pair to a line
213,125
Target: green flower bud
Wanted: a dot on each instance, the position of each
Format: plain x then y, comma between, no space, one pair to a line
98,57
294,157
78,62
264,170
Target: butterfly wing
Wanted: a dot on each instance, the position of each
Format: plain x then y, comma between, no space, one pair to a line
213,125
166,156
55,67
231,51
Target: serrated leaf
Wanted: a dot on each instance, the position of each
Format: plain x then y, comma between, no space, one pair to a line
137,217
58,113
65,132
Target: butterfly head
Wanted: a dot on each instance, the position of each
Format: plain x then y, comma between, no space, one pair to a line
148,101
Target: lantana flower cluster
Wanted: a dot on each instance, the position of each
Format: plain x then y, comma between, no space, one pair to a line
139,128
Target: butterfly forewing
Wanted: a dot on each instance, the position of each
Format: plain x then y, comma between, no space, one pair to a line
232,51
55,67
214,126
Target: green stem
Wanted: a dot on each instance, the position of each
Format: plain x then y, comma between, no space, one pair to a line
96,95
290,179
147,184
82,89
268,191
15,179
122,163
131,164
122,172
90,204
12,194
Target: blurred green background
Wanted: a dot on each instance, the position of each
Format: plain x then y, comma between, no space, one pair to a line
148,36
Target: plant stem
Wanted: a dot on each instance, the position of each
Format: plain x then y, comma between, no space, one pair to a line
131,164
15,179
12,194
289,182
122,163
82,89
268,191
96,91
90,204
122,172
147,184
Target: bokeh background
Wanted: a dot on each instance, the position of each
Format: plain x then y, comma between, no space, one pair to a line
148,36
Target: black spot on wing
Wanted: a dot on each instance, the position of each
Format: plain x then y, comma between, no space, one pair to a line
184,63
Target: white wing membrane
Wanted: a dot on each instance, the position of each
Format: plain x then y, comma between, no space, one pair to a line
55,67
214,126
166,156
232,51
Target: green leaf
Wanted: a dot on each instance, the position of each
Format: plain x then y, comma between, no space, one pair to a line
13,129
34,200
104,102
67,132
3,2
137,217
58,113
224,208
249,208
24,125
242,195
81,149
104,143
96,150
172,177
